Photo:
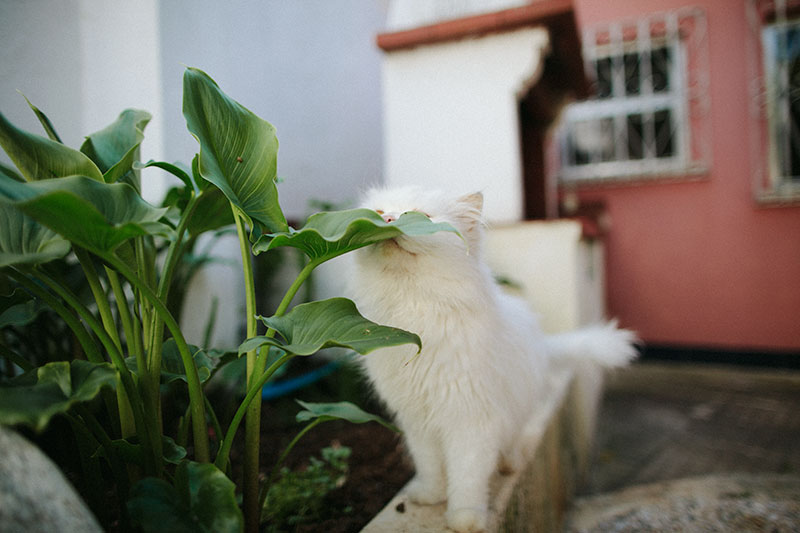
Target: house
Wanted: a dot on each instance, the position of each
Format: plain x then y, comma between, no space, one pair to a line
690,148
685,157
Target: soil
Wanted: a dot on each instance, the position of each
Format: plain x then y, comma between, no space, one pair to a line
378,465
377,470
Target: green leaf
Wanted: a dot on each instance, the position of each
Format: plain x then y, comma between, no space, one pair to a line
132,452
115,148
25,241
95,215
33,398
330,234
124,171
310,327
202,500
44,121
39,158
19,308
9,172
172,168
172,368
339,410
213,212
238,150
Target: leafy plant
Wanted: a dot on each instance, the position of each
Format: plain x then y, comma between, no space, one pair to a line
83,208
299,496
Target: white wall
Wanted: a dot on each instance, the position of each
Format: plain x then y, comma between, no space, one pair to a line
82,66
310,68
451,115
559,273
46,70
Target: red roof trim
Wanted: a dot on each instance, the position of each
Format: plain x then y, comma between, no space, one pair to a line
508,19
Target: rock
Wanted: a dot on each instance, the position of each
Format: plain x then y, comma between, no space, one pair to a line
34,494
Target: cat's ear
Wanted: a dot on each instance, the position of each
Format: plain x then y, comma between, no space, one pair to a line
470,216
474,200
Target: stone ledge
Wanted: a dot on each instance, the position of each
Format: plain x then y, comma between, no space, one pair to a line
536,498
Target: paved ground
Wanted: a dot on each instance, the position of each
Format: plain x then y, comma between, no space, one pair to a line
704,448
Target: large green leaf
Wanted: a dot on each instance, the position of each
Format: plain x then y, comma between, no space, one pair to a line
339,411
115,148
202,500
95,215
25,241
238,150
39,158
35,397
310,327
329,234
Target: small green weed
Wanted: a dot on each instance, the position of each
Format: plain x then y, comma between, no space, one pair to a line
299,497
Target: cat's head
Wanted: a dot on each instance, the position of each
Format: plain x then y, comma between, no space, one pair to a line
463,213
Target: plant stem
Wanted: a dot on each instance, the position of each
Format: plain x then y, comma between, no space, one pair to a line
146,432
100,297
127,426
273,474
157,325
87,343
150,394
255,368
222,457
192,378
15,359
114,461
288,297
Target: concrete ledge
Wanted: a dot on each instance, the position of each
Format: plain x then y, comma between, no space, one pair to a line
536,498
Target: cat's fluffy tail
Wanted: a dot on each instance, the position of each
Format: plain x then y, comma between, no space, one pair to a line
604,344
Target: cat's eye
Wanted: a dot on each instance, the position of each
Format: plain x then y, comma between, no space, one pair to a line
379,211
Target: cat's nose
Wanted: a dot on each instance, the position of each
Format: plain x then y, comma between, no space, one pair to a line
388,218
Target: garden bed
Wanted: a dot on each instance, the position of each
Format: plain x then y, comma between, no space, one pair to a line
377,467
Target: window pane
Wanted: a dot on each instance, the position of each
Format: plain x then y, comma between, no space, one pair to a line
633,82
662,121
635,136
793,96
592,141
659,69
604,80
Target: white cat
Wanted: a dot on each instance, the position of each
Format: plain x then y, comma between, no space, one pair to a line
463,401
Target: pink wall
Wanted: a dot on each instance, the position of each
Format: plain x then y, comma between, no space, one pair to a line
700,263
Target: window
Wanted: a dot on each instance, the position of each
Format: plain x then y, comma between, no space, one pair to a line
781,46
639,121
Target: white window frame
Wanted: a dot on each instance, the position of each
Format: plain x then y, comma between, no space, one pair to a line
619,106
779,120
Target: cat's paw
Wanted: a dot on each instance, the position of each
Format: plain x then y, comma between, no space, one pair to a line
425,493
466,520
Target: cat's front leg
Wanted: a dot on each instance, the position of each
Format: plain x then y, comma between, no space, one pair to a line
469,465
429,485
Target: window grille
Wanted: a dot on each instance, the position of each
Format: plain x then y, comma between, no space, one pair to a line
641,118
776,27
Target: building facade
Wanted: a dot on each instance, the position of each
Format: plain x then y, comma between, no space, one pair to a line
688,155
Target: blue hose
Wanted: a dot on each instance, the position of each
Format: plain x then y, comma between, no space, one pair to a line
280,388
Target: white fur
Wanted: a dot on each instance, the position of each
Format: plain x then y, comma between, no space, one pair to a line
462,402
